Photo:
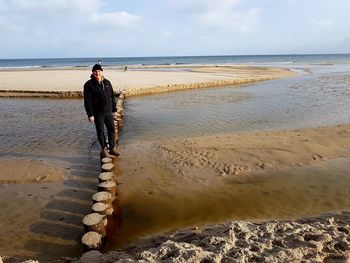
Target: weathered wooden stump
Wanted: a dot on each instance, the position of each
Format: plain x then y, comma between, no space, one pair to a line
91,241
103,197
108,186
94,222
106,176
107,167
101,208
106,160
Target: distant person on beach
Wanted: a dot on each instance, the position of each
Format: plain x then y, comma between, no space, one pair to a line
100,107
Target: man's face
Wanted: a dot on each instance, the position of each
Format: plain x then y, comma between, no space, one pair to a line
98,74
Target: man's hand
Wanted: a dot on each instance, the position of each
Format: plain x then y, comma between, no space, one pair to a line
91,119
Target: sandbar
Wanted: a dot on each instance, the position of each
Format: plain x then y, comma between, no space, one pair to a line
65,83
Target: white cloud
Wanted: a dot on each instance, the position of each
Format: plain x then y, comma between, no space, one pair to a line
55,7
167,33
3,8
293,2
224,14
242,21
56,27
39,14
202,6
117,19
321,24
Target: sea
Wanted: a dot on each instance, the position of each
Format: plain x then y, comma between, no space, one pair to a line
287,60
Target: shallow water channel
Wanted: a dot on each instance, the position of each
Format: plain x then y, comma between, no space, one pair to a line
153,200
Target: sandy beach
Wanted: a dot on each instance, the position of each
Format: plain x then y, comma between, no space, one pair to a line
206,159
135,81
316,239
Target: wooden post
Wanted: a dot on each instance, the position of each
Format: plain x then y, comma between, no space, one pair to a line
94,222
108,167
91,241
108,186
106,160
104,197
106,176
101,208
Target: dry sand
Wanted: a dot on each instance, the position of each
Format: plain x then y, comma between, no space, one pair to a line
319,239
51,82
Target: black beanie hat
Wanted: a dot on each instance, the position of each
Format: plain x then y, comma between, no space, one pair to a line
97,67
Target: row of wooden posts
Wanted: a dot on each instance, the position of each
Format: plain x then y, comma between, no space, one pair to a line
102,209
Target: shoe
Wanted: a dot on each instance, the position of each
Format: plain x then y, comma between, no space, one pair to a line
104,153
114,152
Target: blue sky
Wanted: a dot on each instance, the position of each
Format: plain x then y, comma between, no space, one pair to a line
123,28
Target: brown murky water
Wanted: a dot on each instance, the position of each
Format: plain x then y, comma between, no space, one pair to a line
155,202
152,199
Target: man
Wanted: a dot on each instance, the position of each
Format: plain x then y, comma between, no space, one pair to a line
100,107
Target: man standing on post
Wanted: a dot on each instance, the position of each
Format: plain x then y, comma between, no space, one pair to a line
100,108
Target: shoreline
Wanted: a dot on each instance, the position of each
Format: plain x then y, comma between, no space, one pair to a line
322,238
186,157
68,83
202,242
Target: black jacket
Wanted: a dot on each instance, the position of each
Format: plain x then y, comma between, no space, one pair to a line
99,97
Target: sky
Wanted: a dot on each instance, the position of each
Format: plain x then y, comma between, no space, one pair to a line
134,28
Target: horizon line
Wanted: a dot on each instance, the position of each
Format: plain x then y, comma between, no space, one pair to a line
181,56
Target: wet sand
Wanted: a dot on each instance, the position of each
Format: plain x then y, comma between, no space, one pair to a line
167,185
28,170
238,154
199,163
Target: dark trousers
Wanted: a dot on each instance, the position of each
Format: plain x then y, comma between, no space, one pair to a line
101,120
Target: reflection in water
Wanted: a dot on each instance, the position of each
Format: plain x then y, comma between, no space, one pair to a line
49,127
303,102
